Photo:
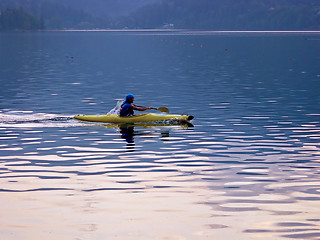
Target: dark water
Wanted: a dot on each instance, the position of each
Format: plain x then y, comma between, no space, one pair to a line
248,169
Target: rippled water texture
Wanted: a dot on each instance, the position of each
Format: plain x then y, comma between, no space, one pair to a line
249,168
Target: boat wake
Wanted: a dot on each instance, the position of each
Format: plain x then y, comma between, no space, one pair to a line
116,109
31,119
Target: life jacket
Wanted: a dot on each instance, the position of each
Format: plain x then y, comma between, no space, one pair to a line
126,110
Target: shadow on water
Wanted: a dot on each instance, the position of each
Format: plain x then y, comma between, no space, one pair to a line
129,131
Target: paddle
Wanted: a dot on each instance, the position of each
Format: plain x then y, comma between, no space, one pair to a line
161,109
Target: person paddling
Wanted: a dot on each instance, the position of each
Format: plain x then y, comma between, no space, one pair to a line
128,107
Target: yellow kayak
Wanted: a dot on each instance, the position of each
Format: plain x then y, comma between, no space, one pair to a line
147,117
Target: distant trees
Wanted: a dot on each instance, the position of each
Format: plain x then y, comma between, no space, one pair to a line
50,16
57,16
189,14
229,14
17,19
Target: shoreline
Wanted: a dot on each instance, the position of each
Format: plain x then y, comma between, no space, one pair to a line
187,32
173,31
181,30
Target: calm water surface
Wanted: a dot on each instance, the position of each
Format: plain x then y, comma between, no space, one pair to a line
249,168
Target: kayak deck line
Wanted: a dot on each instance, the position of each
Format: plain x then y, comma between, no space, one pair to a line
144,125
146,117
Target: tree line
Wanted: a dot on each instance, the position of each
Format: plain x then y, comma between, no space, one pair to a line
229,15
188,14
18,19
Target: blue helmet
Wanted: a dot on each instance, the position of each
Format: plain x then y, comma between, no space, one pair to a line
129,96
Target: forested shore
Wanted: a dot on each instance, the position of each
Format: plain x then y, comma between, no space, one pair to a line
186,14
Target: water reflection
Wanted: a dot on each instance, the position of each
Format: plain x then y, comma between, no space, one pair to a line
129,131
249,169
162,175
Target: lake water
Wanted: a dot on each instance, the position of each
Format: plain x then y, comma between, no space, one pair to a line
249,168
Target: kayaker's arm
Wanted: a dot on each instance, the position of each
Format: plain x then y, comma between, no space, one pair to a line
140,108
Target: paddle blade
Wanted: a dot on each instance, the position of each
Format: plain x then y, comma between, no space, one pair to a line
163,109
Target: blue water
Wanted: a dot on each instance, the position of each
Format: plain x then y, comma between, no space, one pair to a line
248,168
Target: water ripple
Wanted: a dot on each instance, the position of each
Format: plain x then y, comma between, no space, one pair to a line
248,169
